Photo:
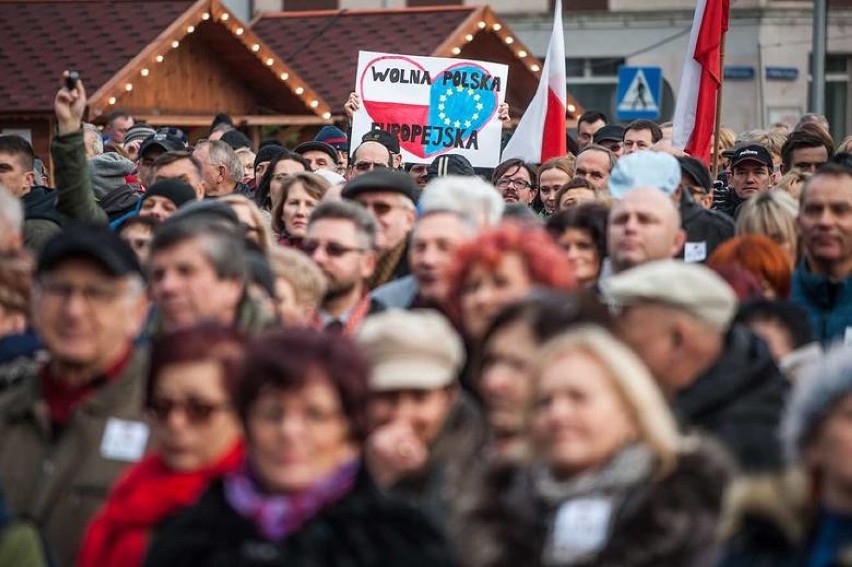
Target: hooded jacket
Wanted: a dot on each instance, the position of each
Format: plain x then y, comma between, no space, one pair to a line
41,219
739,400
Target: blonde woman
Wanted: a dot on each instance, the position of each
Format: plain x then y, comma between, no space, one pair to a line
252,219
772,213
612,482
553,174
299,195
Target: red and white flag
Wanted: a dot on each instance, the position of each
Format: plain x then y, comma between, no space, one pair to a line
695,112
540,134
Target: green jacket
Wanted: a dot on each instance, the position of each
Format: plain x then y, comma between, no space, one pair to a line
71,172
59,480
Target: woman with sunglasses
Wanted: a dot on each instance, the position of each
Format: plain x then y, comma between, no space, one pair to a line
195,434
301,497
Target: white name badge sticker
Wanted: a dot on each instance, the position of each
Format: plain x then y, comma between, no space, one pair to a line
124,440
581,526
695,251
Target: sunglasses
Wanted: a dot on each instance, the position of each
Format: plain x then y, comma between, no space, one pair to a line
196,411
333,249
379,209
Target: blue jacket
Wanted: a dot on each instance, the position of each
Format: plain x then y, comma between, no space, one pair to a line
828,303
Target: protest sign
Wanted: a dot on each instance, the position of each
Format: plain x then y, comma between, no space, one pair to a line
434,105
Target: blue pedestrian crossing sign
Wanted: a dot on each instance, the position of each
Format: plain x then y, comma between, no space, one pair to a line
639,90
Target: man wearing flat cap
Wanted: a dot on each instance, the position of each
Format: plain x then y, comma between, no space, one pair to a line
319,155
426,433
390,195
720,378
69,430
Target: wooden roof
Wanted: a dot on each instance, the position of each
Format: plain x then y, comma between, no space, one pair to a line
322,46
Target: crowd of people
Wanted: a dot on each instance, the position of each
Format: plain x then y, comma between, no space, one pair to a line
214,353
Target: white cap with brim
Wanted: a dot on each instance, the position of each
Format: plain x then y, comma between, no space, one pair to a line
411,350
693,288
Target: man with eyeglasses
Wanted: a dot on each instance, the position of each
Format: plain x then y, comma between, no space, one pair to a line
71,427
368,156
341,240
390,195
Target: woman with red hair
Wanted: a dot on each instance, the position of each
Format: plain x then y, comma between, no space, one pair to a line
500,266
760,256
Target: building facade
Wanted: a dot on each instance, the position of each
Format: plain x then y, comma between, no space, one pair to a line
767,58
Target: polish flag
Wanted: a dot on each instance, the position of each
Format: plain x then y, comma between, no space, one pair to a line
540,134
695,113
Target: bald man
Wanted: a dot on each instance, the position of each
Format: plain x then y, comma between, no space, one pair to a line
643,226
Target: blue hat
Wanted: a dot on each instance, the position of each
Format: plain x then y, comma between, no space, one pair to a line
334,137
644,169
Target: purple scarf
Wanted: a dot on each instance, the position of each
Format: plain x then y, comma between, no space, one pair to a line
277,516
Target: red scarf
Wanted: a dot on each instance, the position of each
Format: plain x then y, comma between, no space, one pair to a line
148,493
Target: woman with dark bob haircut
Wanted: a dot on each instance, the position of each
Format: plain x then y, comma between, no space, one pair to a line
283,164
195,435
301,497
581,232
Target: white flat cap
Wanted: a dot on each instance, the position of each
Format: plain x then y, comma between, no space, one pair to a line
693,288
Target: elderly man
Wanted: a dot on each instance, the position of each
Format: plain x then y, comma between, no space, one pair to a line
390,196
721,379
199,272
594,164
822,283
68,430
426,433
319,155
704,230
341,239
180,166
223,172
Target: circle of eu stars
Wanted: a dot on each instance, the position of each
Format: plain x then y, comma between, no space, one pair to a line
470,96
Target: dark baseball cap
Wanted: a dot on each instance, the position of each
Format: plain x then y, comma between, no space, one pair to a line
450,164
313,145
610,132
752,152
695,168
381,180
383,137
167,142
92,241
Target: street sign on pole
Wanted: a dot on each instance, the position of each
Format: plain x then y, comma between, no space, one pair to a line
639,93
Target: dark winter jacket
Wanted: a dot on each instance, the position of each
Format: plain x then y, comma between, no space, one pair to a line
770,521
739,400
828,303
363,529
705,229
667,521
726,200
41,219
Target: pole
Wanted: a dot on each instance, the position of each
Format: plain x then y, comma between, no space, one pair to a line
718,124
818,62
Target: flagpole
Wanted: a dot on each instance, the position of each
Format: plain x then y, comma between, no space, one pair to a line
718,124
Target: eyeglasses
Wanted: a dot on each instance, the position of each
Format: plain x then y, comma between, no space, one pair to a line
196,411
504,182
92,294
333,249
368,165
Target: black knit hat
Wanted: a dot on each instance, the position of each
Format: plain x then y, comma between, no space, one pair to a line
176,191
268,152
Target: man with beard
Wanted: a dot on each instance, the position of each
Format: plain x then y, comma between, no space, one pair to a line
341,239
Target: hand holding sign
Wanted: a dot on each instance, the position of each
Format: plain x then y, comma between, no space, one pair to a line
433,105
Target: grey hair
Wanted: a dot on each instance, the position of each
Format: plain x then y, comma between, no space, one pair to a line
468,196
98,144
220,153
224,248
822,385
469,223
11,211
365,224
